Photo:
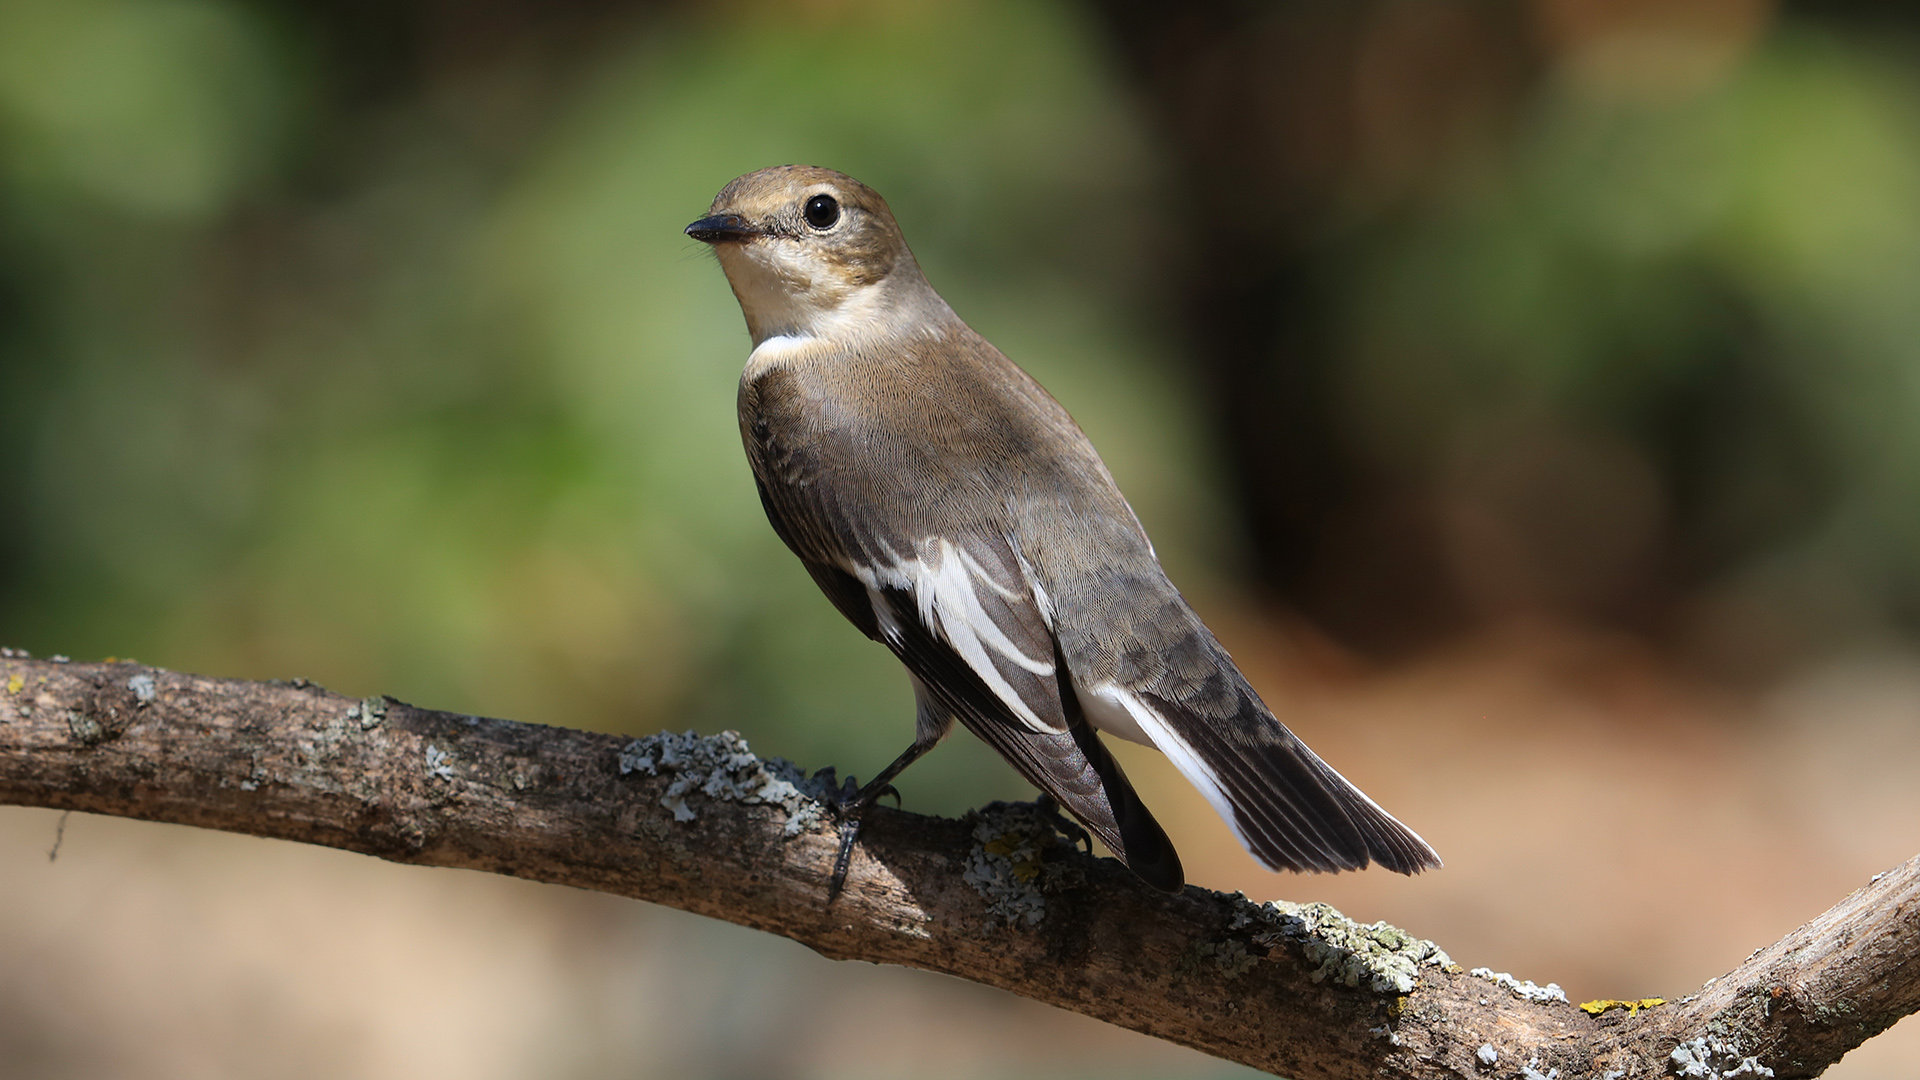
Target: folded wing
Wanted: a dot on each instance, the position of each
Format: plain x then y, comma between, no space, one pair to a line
962,616
969,627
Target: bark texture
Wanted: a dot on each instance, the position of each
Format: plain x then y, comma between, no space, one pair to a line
701,825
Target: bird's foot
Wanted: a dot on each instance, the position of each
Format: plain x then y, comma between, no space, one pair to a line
849,833
1063,824
1049,812
846,797
849,802
850,809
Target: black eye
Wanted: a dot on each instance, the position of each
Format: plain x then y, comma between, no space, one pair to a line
822,211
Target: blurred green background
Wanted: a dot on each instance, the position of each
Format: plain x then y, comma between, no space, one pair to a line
360,341
392,369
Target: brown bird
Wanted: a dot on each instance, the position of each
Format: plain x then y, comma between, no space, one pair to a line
953,511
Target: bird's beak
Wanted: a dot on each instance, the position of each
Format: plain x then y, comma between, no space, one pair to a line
724,229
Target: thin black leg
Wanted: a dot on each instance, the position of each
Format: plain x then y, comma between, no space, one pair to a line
853,809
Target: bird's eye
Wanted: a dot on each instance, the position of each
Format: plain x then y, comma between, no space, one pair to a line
822,211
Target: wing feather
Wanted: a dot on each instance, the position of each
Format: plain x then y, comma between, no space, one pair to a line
1070,764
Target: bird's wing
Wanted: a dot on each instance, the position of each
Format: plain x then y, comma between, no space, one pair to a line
963,606
1062,755
966,598
963,617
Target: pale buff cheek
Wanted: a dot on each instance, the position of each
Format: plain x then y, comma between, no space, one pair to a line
772,292
785,288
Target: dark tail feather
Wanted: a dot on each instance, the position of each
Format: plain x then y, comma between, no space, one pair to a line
1390,843
1143,845
1335,826
1292,809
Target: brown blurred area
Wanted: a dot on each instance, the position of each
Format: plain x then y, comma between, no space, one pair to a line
1619,468
1524,391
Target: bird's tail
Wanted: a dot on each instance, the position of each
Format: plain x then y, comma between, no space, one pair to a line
1290,809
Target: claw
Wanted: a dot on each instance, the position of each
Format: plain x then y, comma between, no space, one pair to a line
1048,809
850,806
852,801
1062,824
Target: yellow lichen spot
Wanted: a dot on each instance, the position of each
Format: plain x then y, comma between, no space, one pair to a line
1397,1007
1595,1008
14,683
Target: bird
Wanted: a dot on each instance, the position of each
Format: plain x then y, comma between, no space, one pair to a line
952,510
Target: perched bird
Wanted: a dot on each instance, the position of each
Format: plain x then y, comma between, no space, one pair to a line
953,511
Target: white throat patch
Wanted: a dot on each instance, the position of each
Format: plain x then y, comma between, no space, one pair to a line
788,290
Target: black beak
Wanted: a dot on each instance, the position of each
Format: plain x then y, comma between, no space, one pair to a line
723,229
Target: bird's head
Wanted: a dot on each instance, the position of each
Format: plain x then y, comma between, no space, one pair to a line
813,253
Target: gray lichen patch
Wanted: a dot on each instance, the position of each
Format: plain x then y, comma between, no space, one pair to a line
1229,957
86,730
369,713
1378,957
1714,1058
1009,865
143,688
1521,988
720,768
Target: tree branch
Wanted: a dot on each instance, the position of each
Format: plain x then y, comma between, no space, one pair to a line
699,824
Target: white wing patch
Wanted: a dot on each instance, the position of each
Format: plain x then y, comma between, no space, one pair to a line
945,581
1120,712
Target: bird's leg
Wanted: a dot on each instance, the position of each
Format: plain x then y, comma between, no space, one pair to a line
853,809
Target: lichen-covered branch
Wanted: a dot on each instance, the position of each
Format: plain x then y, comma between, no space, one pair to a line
703,825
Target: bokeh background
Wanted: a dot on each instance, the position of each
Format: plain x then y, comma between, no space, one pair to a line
1528,392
